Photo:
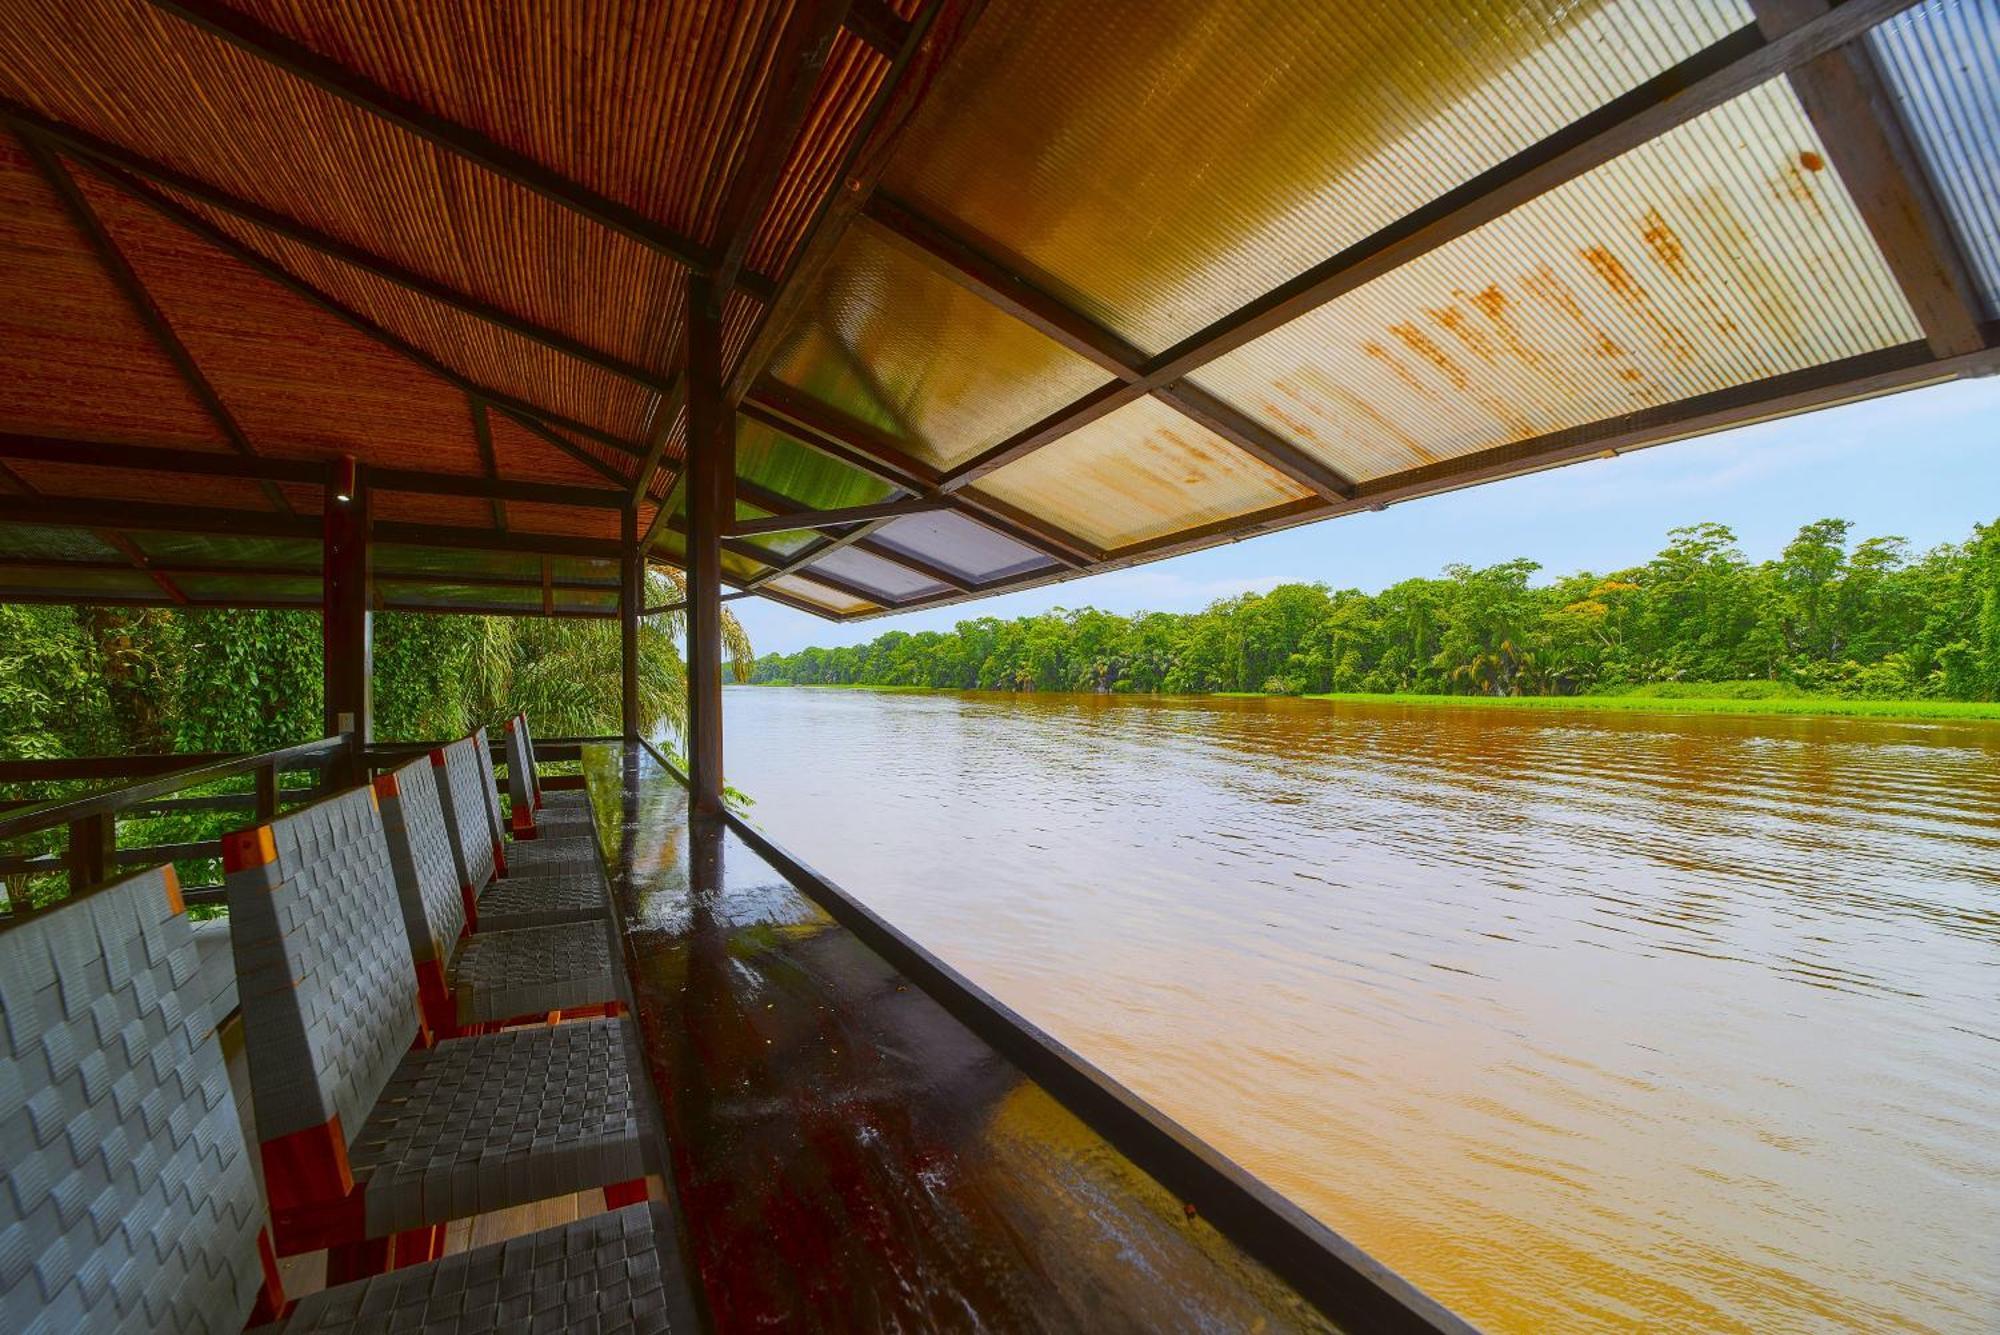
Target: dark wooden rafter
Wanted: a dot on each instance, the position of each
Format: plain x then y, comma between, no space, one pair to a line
1849,103
482,436
99,151
797,520
925,45
133,289
875,23
99,454
998,284
302,62
1698,84
285,278
765,499
279,570
839,437
796,565
798,56
665,410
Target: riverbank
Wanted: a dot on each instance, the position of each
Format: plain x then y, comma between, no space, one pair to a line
1645,699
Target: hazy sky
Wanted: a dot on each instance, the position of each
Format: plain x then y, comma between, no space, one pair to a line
1924,465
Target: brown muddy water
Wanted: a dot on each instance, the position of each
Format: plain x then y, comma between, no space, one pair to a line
1577,1020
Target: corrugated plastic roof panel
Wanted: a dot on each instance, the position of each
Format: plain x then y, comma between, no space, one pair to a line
819,595
941,372
1724,252
82,583
303,590
51,543
1160,165
1942,59
963,546
1141,472
890,582
780,464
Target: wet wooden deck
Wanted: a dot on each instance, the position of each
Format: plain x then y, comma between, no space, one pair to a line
847,1155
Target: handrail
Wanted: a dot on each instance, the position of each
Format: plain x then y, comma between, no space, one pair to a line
1340,1279
110,801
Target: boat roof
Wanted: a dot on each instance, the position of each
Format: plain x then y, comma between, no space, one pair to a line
1009,292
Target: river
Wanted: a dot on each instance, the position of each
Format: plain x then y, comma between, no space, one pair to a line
1578,1020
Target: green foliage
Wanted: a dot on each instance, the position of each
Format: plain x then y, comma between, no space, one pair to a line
1862,620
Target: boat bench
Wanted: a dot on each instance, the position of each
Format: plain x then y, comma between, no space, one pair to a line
364,1132
131,1203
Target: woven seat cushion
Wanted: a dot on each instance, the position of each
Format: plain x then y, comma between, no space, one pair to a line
557,852
479,1124
545,897
614,1272
564,821
499,975
565,799
128,1201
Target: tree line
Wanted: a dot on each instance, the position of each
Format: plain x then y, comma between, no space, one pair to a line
1829,614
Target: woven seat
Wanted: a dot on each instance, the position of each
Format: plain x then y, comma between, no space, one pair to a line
329,1002
615,1272
478,1124
536,811
495,975
568,885
573,852
129,1203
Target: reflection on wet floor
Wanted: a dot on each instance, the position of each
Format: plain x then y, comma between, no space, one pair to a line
848,1156
1574,1019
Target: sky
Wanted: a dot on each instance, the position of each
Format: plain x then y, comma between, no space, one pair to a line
1922,465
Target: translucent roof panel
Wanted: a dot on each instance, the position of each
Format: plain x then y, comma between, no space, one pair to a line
1942,61
55,544
963,546
780,464
890,582
1724,252
195,548
1158,166
819,595
302,590
890,343
790,542
82,584
1141,472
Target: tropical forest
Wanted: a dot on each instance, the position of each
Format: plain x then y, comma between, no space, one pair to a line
1832,614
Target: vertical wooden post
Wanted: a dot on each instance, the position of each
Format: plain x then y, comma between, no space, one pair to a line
347,610
267,792
711,488
631,604
93,851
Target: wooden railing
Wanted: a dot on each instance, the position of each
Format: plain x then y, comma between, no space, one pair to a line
91,854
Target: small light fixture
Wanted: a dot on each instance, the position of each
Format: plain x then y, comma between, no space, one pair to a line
344,474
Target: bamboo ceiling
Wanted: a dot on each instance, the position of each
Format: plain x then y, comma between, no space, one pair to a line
1015,290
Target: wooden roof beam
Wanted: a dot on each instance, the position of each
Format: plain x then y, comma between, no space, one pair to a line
1849,103
305,472
489,463
302,62
1001,286
926,44
804,42
1703,81
111,155
765,499
798,520
517,408
821,428
127,281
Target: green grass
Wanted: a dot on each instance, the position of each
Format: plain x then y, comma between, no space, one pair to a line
1653,701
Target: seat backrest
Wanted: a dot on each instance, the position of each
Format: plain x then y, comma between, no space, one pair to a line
455,769
130,1203
489,788
323,974
425,863
534,766
521,792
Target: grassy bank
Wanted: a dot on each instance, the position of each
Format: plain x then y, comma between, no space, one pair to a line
1750,698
